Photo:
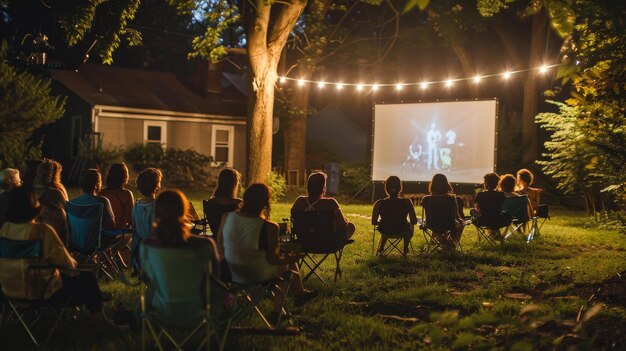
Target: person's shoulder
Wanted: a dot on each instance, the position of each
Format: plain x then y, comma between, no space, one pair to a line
331,202
299,204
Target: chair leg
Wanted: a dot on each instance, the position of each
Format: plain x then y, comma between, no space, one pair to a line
23,322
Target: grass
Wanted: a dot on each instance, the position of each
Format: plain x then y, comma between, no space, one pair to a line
514,297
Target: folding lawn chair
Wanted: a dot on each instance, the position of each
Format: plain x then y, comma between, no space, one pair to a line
439,223
316,233
32,312
177,304
490,228
85,238
541,214
213,213
517,207
393,243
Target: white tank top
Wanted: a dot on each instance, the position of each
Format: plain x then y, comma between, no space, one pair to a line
247,262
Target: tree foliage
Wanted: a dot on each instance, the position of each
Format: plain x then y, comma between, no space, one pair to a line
25,105
588,146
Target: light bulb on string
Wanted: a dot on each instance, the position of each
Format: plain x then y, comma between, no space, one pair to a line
399,86
339,86
321,84
300,82
477,79
359,87
543,69
449,83
283,80
506,75
375,87
424,85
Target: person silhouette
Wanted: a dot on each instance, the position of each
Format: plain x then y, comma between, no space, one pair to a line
432,138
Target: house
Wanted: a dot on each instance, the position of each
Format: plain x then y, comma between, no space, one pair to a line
346,138
126,106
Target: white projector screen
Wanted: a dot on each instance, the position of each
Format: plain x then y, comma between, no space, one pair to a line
414,141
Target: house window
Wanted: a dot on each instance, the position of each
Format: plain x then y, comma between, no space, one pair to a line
155,132
76,135
222,145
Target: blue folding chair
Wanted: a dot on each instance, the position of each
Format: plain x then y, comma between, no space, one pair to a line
517,207
178,303
86,238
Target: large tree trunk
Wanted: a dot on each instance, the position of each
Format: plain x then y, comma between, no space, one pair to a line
531,88
267,35
294,134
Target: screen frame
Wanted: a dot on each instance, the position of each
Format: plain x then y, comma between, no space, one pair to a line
403,102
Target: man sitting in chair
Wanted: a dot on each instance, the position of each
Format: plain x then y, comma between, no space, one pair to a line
390,214
316,201
488,212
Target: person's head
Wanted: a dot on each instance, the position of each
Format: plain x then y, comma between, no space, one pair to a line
227,183
316,184
117,176
490,181
393,186
149,181
525,177
439,185
90,181
9,179
45,173
170,209
23,205
256,199
507,183
432,126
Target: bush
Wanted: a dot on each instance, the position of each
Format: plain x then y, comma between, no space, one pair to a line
181,168
278,185
355,177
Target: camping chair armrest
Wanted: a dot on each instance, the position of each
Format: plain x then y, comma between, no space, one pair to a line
79,268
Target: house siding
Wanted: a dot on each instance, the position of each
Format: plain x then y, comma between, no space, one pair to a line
120,132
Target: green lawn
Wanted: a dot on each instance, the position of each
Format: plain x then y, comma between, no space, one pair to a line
515,297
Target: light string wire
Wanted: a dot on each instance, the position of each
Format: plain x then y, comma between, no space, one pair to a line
448,82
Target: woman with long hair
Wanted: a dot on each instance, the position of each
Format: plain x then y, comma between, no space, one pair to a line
51,198
390,214
442,196
224,199
121,199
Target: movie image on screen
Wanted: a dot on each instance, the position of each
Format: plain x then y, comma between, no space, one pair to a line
417,140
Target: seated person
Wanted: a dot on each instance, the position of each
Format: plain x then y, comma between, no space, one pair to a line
120,198
91,183
507,185
390,214
224,199
488,212
56,183
524,181
51,198
170,230
316,201
19,282
148,184
441,196
249,243
9,180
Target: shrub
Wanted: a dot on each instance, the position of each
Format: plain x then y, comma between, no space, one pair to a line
355,177
278,185
181,168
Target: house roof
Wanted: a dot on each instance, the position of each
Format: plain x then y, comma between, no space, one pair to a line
138,88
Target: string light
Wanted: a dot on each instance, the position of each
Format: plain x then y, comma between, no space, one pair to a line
448,83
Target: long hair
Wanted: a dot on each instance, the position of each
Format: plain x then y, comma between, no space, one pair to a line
439,185
507,183
256,199
526,176
170,209
56,178
393,186
227,183
117,176
45,173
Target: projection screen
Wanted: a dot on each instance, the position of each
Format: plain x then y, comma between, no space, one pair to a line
417,140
